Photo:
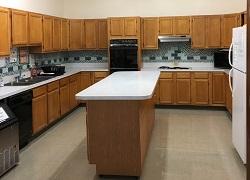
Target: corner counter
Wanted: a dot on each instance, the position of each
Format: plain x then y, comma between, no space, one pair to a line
120,117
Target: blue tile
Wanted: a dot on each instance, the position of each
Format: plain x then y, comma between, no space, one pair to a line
190,58
99,58
151,58
177,58
174,54
76,58
164,58
88,58
204,57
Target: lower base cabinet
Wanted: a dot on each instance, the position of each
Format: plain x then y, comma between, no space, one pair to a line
64,95
39,108
53,101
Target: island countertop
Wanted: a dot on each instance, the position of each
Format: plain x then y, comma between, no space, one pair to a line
125,85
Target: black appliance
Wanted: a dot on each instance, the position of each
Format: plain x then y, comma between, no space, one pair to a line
123,55
53,70
221,60
21,106
9,146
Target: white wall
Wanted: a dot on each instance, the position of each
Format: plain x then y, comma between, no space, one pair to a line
50,7
143,8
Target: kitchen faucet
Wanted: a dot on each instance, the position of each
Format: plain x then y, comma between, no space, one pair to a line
20,73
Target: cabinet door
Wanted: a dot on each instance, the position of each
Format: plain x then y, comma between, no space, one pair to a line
53,106
150,33
56,34
218,88
35,28
116,26
19,27
245,17
72,93
75,34
229,22
103,34
64,99
64,34
5,32
90,34
182,25
166,91
166,26
130,26
198,31
201,91
85,80
39,113
47,33
183,91
157,94
214,31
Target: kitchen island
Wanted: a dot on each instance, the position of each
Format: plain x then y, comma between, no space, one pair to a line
120,116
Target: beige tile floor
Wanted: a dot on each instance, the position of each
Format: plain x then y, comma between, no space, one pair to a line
186,144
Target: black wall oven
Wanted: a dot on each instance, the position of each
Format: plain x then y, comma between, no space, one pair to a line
123,55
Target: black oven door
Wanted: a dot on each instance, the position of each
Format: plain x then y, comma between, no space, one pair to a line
124,57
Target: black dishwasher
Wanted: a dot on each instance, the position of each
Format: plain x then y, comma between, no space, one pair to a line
21,106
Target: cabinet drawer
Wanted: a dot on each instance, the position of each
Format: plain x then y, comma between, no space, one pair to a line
183,75
72,78
201,75
166,75
39,91
100,74
64,81
53,85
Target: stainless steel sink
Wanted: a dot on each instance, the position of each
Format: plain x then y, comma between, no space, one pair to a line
29,81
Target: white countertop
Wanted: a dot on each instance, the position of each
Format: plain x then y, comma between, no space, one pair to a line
125,85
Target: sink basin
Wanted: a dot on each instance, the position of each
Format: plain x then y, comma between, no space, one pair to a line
29,81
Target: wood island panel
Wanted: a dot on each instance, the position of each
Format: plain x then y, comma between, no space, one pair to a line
118,135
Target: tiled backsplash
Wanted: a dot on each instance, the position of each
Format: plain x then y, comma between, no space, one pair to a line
167,52
178,52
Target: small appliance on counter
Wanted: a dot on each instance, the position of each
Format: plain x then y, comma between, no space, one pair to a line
221,59
53,70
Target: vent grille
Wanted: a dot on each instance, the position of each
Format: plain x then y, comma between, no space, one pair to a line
8,158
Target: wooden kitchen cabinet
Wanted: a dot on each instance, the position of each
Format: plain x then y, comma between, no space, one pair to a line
35,29
76,34
53,101
86,79
124,27
39,108
229,21
56,42
206,31
200,88
91,31
150,33
174,25
183,87
5,32
245,17
20,27
97,76
157,94
64,34
72,91
213,34
218,91
64,95
198,27
102,34
166,88
47,33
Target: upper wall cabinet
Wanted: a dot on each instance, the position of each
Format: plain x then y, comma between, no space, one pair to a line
56,34
206,31
35,29
76,34
174,26
20,27
90,30
5,32
102,34
47,33
124,27
229,21
26,28
150,33
64,34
